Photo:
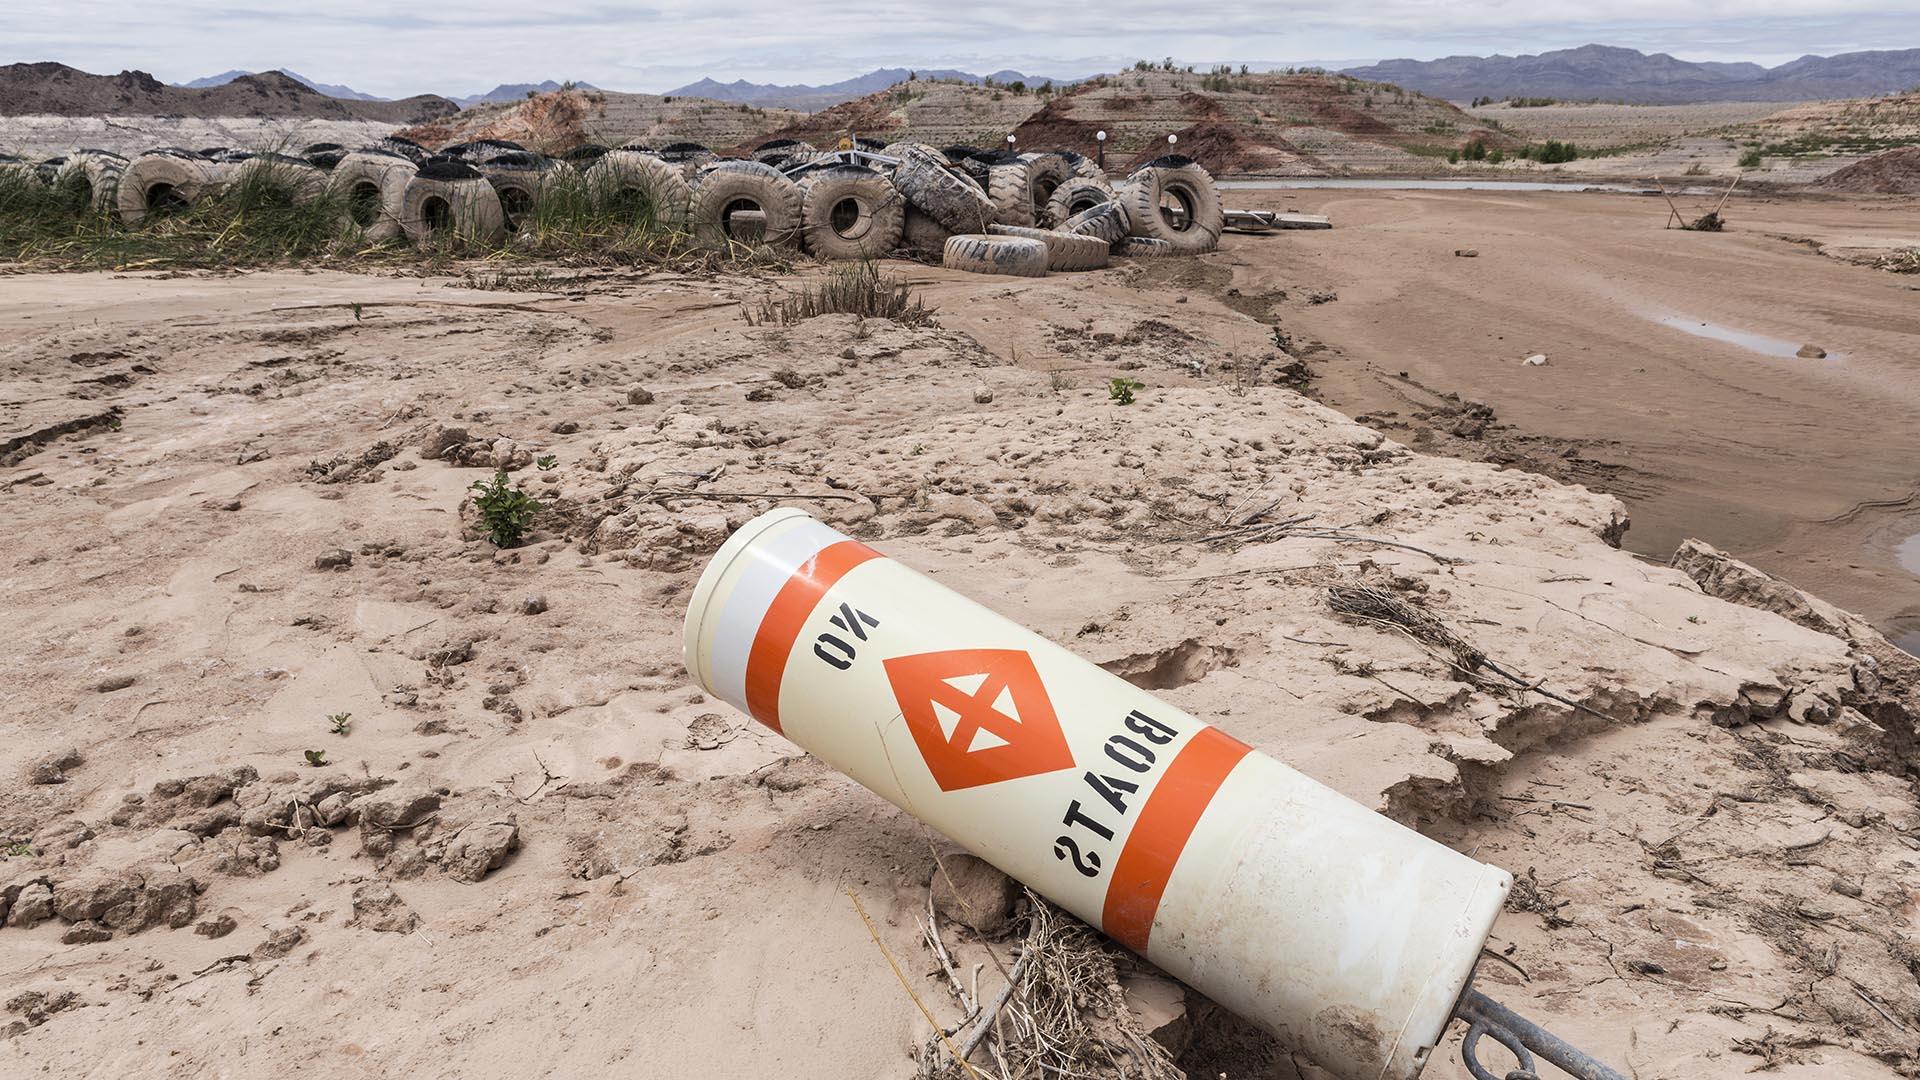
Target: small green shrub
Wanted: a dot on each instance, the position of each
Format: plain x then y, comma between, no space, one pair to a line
853,289
506,512
1121,390
340,723
1750,159
316,758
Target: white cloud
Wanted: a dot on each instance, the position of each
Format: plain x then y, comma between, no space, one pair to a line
455,48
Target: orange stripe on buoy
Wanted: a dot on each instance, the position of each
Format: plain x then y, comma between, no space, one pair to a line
773,642
1166,823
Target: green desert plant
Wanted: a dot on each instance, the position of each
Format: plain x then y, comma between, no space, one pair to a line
506,512
851,289
1121,390
316,758
340,723
1750,159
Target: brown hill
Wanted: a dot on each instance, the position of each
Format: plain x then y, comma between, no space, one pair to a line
1892,172
58,90
1256,123
1309,124
566,118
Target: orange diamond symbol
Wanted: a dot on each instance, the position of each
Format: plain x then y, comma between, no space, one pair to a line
979,716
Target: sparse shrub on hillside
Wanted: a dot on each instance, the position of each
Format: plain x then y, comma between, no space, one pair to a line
1495,157
505,511
1750,159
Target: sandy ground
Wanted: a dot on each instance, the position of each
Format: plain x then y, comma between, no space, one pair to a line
1804,467
234,514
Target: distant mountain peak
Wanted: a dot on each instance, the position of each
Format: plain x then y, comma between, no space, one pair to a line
332,90
808,98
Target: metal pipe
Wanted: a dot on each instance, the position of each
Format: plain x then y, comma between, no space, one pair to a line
1488,1017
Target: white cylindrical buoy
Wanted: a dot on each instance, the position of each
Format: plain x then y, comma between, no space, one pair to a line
1347,935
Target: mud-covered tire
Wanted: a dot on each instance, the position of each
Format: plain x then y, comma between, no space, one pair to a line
1143,247
1108,221
1196,230
94,177
449,201
1045,173
933,187
1010,189
1067,253
1084,167
280,177
13,166
642,187
726,188
1074,196
922,235
164,181
371,184
406,148
520,179
870,213
983,253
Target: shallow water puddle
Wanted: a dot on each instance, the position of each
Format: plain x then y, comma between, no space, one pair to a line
1759,343
1908,554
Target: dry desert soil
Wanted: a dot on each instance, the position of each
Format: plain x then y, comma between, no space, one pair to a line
237,508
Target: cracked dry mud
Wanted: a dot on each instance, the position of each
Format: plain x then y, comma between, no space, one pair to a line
536,849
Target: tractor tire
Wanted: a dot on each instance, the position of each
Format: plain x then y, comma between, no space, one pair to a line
323,155
850,212
979,253
520,179
447,201
932,187
922,235
1046,172
372,185
1067,253
727,191
1084,167
406,148
1010,188
164,182
93,176
1143,247
641,186
1194,227
1108,221
1074,196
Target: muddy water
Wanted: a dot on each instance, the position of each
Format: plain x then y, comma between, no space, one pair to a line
1745,339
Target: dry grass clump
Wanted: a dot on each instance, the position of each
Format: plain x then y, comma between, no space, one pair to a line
852,289
1903,261
1065,1014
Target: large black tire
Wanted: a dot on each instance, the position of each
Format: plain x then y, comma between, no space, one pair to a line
93,177
923,236
1066,252
727,190
449,202
164,182
642,187
1074,196
1175,203
1010,187
850,212
934,188
371,185
323,155
1045,173
1084,167
1013,256
406,148
1108,221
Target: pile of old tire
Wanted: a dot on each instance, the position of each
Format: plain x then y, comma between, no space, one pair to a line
1173,199
780,153
323,155
942,200
850,212
1073,196
1066,252
989,253
745,203
371,184
640,189
449,202
166,181
690,156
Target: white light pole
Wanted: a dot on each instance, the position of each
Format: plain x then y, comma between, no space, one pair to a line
1100,153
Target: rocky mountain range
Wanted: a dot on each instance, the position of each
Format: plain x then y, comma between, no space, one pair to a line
808,98
1607,73
59,90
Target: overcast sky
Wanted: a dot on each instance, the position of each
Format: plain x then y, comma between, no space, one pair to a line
395,49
